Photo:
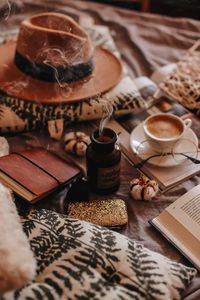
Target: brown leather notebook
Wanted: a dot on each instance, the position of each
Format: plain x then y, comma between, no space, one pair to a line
33,174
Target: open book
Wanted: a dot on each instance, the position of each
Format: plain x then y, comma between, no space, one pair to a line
180,224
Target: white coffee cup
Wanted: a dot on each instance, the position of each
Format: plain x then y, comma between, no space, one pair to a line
165,129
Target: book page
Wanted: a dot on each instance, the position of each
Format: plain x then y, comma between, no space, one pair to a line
186,210
16,187
180,237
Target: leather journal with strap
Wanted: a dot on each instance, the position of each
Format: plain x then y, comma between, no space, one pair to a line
35,173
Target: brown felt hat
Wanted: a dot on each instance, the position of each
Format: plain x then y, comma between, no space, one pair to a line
54,60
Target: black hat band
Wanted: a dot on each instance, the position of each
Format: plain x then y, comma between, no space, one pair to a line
47,73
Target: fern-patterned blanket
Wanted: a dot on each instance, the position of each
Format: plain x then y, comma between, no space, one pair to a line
78,260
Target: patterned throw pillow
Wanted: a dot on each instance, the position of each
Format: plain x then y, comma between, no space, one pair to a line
78,260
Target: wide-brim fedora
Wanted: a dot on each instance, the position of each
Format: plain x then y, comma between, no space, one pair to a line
53,60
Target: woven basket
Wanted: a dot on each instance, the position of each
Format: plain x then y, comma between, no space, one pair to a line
183,84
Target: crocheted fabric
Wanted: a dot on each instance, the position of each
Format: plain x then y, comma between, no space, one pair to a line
183,84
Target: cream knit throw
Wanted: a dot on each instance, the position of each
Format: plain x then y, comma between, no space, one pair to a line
17,263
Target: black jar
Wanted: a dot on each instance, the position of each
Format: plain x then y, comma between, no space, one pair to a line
103,162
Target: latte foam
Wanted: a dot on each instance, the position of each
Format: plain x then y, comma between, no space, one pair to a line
164,127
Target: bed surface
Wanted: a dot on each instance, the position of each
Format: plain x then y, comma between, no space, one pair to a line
146,42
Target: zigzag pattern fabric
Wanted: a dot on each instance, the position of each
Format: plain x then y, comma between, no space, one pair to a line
78,260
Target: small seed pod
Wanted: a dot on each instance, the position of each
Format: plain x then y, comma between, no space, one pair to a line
143,188
76,143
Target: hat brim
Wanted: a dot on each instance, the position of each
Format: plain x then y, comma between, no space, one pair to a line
107,73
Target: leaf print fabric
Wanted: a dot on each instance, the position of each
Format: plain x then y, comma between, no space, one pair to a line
78,260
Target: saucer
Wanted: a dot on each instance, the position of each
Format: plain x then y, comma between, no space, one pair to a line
144,148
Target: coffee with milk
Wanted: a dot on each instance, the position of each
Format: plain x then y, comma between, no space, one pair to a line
164,127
